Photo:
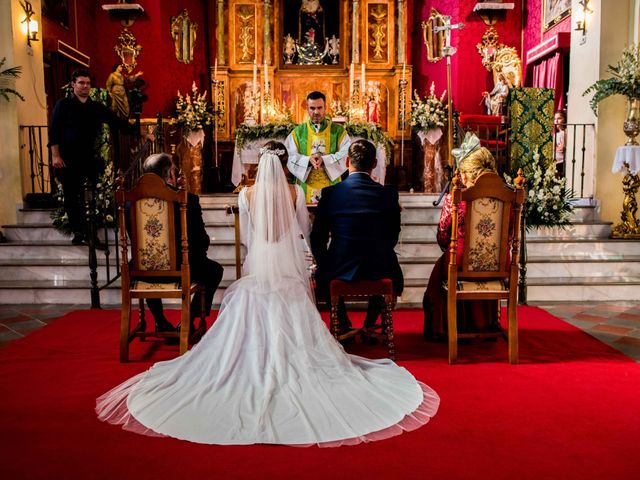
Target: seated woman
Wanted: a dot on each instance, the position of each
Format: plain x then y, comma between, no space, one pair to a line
473,315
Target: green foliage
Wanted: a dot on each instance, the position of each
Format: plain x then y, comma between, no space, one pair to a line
625,80
373,133
5,75
246,133
547,203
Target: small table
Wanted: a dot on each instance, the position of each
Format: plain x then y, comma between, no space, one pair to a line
627,160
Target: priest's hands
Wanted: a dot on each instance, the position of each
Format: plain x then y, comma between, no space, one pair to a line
316,161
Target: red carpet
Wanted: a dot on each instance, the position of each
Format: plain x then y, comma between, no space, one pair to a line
568,411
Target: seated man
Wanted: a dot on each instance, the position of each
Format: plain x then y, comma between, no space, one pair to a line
203,269
362,218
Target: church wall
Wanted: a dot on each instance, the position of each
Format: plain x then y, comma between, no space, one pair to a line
13,45
79,33
614,36
469,77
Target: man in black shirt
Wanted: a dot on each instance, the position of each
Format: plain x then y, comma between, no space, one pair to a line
75,125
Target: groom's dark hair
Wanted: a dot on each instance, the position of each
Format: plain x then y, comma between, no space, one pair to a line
362,155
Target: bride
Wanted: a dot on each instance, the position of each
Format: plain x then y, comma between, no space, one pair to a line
268,371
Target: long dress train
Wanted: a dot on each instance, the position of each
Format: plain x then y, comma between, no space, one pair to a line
268,371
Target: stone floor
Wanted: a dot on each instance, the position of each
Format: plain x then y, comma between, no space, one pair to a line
614,323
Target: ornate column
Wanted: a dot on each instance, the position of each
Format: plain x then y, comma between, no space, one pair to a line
220,32
266,55
355,36
402,33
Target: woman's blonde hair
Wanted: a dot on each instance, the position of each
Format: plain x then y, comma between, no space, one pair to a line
476,163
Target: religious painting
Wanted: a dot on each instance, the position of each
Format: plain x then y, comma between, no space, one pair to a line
311,32
554,11
57,10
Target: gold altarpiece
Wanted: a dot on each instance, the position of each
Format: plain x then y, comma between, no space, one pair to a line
371,33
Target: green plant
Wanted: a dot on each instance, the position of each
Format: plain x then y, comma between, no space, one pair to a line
429,113
372,132
246,133
547,203
193,110
5,75
625,80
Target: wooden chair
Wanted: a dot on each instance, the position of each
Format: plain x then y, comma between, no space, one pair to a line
156,270
489,269
360,290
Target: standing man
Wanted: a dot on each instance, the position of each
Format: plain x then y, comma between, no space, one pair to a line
203,269
317,149
75,125
362,219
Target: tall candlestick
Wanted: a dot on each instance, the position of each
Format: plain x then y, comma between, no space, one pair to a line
351,80
254,84
266,78
362,78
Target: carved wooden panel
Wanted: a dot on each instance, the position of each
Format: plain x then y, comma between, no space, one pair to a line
244,44
378,33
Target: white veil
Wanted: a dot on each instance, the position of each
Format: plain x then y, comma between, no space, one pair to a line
274,256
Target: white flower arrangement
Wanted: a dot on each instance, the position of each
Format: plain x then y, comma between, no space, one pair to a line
429,113
193,110
547,203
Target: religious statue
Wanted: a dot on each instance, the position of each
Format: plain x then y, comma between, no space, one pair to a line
289,48
334,49
372,102
115,85
495,99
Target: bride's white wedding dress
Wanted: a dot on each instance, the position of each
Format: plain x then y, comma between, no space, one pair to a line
268,370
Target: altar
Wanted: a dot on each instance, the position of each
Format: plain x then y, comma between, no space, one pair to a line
248,155
268,61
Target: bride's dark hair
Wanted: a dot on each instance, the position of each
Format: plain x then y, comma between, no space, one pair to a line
278,149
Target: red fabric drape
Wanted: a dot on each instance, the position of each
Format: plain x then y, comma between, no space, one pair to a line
549,73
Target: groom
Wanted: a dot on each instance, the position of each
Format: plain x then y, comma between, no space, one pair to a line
362,218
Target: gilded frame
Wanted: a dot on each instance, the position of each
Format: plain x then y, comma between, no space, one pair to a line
553,12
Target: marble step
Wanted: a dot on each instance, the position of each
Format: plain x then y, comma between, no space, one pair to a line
224,230
71,269
544,289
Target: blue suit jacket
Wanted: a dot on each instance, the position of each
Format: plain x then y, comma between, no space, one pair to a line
361,218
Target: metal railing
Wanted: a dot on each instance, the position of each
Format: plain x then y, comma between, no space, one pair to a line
579,139
40,188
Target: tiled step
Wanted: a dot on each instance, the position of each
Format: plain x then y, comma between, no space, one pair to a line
583,289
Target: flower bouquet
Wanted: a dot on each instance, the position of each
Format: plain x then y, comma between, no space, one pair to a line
193,110
428,113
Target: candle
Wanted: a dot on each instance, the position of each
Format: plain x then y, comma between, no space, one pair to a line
362,77
404,70
351,79
215,69
254,83
266,78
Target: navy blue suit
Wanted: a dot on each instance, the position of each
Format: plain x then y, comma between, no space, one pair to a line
362,219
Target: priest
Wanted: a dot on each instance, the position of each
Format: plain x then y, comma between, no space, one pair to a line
317,149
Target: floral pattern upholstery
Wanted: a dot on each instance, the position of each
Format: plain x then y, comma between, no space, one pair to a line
153,235
484,218
140,285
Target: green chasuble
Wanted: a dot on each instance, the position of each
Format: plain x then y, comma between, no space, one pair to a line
324,142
